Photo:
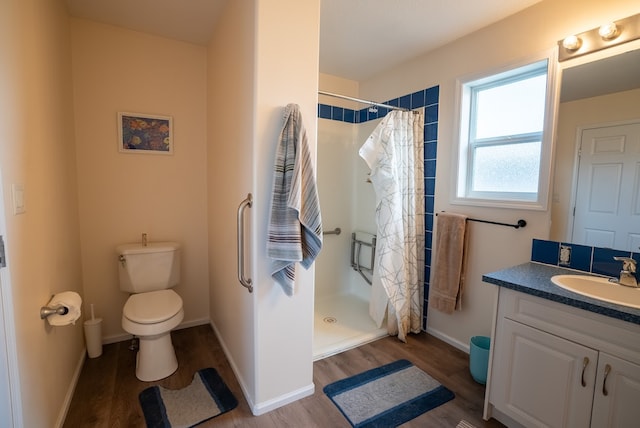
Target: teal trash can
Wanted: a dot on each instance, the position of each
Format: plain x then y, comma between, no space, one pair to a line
479,358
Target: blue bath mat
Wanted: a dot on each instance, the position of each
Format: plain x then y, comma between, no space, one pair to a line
387,396
207,397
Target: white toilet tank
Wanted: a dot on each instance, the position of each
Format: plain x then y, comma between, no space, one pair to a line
155,266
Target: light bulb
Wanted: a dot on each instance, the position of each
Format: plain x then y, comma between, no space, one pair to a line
608,31
572,43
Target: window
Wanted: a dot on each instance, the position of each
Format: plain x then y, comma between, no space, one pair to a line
502,139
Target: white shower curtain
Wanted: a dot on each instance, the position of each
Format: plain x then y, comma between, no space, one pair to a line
395,154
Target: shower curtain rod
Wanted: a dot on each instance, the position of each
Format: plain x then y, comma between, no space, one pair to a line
358,100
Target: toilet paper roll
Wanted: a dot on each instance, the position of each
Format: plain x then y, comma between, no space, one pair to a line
70,300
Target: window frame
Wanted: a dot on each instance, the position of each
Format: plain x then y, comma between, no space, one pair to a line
463,156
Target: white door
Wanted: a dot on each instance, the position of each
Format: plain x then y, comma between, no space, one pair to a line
607,210
6,420
10,404
615,402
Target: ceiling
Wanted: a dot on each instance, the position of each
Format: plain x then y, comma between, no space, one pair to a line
358,38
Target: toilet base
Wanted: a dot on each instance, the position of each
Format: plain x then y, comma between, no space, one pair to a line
156,358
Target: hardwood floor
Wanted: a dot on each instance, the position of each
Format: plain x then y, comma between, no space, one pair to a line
107,391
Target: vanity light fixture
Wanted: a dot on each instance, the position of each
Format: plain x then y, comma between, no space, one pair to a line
572,43
608,31
607,35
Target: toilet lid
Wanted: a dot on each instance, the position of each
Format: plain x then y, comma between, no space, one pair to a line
152,307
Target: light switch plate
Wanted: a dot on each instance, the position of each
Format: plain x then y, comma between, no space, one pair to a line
17,191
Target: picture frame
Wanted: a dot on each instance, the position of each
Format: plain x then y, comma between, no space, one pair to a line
145,133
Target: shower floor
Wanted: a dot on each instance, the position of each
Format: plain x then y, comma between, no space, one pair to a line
342,322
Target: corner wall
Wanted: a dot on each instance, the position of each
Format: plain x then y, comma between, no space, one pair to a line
257,66
286,72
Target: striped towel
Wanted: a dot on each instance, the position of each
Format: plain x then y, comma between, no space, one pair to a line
295,225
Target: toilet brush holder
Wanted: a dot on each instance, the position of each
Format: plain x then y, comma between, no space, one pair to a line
93,337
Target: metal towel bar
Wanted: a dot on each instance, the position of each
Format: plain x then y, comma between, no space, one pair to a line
518,225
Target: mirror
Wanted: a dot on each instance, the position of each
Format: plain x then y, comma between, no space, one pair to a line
596,94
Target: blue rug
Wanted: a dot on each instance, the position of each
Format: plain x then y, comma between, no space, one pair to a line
387,396
206,397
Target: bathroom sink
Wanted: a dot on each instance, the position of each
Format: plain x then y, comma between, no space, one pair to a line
599,288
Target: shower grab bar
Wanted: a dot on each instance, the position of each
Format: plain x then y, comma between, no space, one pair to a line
336,231
356,246
246,282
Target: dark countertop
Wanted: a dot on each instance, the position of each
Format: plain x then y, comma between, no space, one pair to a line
535,279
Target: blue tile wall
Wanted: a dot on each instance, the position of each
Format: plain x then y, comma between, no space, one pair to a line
425,98
428,98
603,262
546,252
580,257
583,258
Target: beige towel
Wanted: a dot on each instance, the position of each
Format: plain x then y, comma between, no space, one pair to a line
448,276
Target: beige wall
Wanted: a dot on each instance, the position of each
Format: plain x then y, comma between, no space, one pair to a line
123,195
36,150
530,32
605,109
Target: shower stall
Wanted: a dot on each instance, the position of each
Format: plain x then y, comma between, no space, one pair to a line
347,201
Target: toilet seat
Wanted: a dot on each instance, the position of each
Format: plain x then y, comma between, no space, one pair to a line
151,316
152,307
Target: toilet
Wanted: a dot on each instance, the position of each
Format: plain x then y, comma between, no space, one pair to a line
149,272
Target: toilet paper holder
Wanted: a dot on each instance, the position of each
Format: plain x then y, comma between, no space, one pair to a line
45,311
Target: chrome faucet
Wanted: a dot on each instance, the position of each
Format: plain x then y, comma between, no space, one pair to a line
628,272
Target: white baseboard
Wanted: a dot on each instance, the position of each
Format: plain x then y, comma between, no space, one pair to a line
106,340
234,367
260,408
193,323
283,400
71,390
448,339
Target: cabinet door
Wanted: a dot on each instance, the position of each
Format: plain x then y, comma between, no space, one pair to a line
616,402
542,380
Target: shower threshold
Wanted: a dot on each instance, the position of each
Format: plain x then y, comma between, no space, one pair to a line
342,322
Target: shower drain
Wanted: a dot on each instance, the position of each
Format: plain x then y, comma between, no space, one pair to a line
330,320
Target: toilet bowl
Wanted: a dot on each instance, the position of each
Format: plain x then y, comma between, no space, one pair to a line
148,272
151,316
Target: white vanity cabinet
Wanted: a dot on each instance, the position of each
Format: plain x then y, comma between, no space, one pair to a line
553,365
537,377
615,401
